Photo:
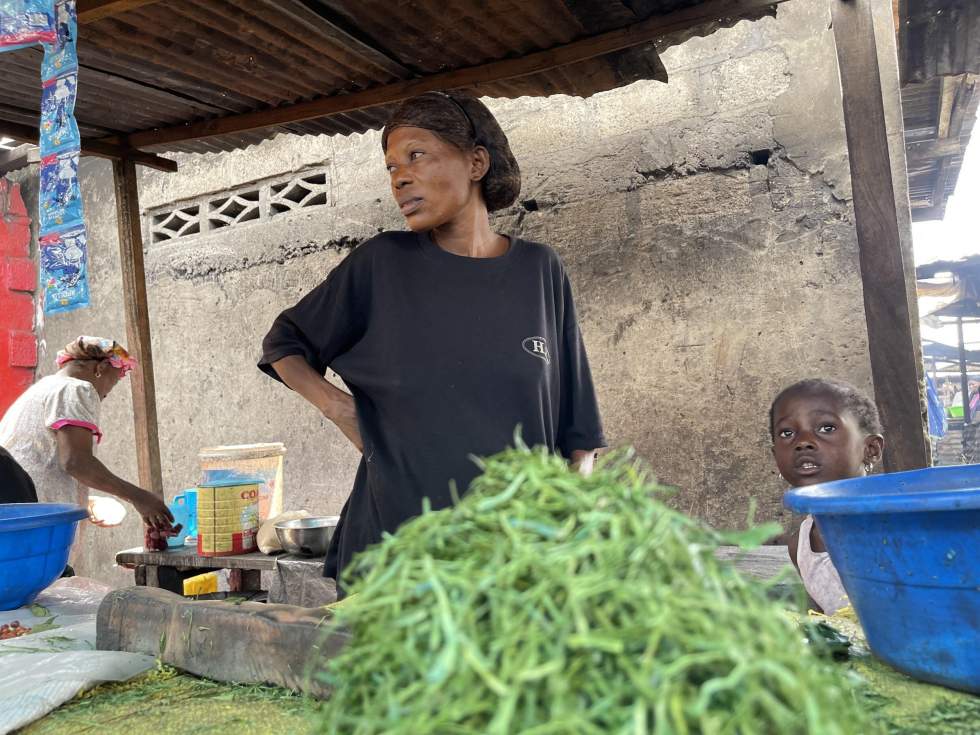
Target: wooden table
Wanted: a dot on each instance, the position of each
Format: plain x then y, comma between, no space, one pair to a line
765,562
246,568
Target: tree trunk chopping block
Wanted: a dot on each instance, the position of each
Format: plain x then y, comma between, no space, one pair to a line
248,642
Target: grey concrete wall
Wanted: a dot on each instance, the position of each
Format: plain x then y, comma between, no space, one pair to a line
706,277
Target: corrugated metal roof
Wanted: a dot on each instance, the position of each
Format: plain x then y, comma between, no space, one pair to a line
166,64
939,38
922,105
939,59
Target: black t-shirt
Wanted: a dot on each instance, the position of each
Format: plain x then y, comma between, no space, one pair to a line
16,486
445,356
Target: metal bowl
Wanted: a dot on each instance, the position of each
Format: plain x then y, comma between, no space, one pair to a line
307,536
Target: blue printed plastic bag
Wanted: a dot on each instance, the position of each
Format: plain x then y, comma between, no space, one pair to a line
26,22
60,199
54,24
64,270
59,131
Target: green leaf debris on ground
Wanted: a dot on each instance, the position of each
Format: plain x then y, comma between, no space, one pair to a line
167,702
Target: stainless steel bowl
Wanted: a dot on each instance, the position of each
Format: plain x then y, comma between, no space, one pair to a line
307,536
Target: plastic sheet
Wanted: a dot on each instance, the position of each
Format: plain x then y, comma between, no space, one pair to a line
42,670
301,582
33,684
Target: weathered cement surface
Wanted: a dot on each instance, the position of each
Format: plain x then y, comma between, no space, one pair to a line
707,275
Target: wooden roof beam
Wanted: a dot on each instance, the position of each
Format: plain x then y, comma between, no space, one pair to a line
90,11
99,148
934,149
950,85
471,77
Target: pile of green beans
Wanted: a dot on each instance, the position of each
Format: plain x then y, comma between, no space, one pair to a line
545,602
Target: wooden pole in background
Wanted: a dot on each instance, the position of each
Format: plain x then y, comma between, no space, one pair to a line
964,382
886,305
137,324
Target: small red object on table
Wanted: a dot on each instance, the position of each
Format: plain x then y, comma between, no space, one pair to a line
155,539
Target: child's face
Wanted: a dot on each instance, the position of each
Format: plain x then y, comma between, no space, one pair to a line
816,440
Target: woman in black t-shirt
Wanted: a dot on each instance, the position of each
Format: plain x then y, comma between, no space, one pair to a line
449,336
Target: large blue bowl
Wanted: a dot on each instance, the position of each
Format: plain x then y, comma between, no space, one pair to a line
35,539
907,547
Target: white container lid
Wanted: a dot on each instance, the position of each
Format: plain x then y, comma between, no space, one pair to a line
243,451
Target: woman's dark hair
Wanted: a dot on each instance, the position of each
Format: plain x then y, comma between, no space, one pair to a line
464,122
850,398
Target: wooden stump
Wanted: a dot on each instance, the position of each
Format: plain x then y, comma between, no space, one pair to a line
247,642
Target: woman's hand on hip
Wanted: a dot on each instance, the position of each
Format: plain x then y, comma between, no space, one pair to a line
343,413
332,402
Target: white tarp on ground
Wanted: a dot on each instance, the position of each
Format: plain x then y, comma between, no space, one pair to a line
40,671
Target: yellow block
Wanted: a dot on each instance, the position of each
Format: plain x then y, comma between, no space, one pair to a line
202,584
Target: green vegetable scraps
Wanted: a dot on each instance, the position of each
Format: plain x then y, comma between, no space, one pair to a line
546,602
167,702
48,624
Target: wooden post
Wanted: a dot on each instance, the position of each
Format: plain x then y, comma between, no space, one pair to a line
137,324
964,383
886,306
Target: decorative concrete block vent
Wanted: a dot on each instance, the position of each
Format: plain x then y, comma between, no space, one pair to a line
254,202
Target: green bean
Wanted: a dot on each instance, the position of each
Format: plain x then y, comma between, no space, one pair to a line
545,602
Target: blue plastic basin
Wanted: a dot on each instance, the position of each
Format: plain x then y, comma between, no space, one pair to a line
35,539
907,546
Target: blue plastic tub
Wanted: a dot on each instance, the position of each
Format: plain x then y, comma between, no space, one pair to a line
907,546
35,539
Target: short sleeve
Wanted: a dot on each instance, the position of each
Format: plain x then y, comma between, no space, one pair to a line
74,403
325,323
579,425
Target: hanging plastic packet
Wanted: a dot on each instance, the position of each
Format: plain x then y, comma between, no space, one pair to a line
60,201
64,268
62,240
59,131
26,22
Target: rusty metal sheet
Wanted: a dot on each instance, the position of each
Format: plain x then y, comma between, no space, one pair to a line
171,63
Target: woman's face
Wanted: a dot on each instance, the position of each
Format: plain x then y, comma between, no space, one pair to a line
106,378
432,180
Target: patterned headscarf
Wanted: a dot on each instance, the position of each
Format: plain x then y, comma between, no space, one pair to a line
97,348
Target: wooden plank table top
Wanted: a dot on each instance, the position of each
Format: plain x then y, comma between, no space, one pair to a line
765,562
188,558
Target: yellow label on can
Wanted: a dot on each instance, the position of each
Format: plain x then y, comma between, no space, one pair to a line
227,518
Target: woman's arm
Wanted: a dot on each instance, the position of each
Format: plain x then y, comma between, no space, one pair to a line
329,400
75,457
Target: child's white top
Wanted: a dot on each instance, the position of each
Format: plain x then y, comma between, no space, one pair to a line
820,577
